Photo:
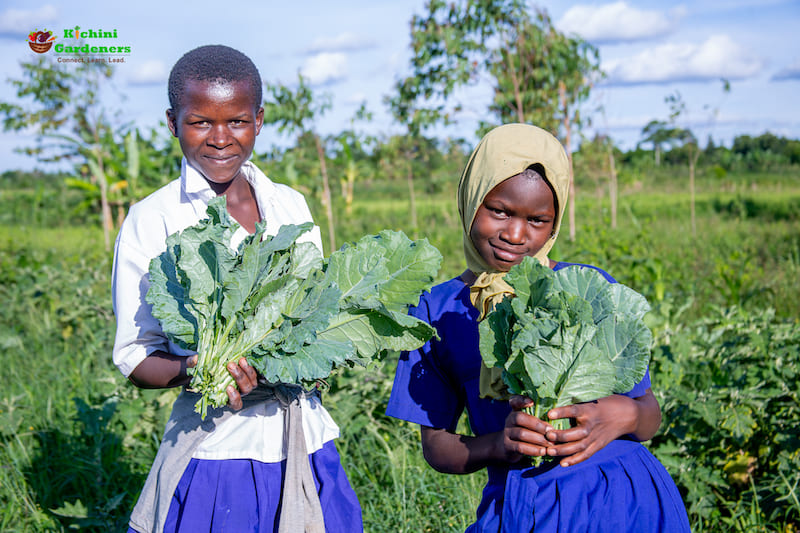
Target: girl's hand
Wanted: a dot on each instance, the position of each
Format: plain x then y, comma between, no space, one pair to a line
246,380
599,422
523,434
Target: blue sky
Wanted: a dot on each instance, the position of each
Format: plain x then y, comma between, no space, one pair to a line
355,50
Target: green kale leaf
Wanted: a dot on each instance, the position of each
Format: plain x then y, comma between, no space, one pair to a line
294,315
566,337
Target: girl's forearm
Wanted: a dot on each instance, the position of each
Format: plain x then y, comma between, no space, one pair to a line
450,453
648,419
161,370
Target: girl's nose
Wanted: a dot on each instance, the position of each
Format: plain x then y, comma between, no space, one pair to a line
514,231
219,137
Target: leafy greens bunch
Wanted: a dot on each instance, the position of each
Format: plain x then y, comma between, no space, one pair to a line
566,337
295,316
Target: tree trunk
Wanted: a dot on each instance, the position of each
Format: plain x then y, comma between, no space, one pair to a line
105,208
517,89
349,187
612,186
562,92
411,197
326,194
694,154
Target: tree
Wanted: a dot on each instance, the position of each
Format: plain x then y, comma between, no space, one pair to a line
597,160
687,139
293,112
62,106
658,133
542,76
539,75
415,121
352,144
678,109
450,46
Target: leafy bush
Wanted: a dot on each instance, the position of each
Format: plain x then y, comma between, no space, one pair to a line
729,387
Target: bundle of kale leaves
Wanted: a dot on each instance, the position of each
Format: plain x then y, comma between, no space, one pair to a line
566,336
295,316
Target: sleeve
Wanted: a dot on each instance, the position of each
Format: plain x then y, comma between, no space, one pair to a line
640,388
138,332
421,392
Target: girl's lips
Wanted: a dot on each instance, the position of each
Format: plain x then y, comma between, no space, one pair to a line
220,160
506,255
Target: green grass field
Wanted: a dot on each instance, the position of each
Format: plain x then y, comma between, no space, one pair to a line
77,440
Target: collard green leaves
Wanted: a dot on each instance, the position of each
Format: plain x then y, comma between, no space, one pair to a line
566,337
295,316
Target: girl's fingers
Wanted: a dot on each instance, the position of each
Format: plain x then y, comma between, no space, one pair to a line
523,435
572,453
245,376
520,402
530,422
568,411
567,435
249,371
234,398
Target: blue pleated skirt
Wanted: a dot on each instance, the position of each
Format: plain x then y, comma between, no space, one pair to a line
622,488
244,495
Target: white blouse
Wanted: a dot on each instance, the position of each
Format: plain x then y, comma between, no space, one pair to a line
251,433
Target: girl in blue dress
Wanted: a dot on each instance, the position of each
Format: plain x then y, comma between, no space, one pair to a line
511,198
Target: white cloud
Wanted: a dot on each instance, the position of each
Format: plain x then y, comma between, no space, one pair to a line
325,68
346,41
618,22
789,72
152,72
718,57
18,22
356,98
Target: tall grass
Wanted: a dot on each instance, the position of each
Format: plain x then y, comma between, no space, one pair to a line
77,440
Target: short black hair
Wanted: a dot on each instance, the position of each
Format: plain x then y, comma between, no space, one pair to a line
214,62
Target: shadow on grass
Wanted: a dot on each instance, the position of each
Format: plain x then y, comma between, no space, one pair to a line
86,478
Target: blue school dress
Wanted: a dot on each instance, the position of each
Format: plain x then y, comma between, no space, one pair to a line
622,488
244,495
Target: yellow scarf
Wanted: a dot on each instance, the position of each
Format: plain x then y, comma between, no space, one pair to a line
503,153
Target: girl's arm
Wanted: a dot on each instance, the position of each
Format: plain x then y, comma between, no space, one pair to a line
451,453
161,370
600,422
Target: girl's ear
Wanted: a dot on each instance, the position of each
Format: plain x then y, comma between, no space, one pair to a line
259,119
172,122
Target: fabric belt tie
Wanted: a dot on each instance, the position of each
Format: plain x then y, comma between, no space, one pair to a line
185,430
300,500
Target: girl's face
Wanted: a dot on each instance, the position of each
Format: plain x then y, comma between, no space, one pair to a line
217,124
515,220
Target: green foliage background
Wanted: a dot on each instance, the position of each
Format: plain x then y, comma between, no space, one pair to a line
76,440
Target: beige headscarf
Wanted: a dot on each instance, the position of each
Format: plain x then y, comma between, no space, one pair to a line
503,153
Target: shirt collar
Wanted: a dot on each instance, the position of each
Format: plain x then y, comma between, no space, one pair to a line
194,184
197,189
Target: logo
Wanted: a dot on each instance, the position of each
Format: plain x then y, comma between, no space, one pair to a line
41,41
81,45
